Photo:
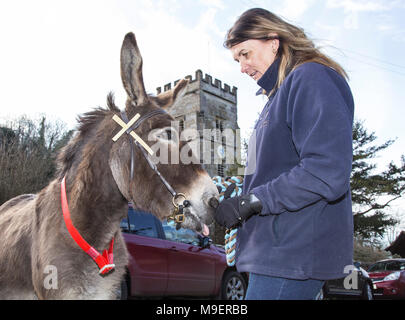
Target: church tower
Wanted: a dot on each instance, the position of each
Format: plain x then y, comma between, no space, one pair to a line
210,108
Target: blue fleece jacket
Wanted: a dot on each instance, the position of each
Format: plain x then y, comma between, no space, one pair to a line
303,147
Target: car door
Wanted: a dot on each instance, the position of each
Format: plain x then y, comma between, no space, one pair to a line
191,268
148,258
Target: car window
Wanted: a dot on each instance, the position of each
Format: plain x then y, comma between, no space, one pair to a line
395,266
378,267
182,235
392,266
141,223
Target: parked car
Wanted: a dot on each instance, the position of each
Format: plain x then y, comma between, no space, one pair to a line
165,262
389,278
356,285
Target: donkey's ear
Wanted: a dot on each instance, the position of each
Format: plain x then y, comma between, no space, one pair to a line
166,99
131,70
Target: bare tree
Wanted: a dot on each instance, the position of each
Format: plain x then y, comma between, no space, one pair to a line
27,152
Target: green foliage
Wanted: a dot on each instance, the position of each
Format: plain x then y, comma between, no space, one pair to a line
373,225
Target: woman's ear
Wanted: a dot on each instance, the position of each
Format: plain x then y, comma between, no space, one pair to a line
166,99
275,42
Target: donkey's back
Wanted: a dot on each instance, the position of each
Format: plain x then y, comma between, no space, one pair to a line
14,202
16,219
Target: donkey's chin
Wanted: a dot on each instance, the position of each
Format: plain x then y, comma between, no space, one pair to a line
199,226
194,222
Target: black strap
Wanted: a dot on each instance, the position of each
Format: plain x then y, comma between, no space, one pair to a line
144,152
147,116
155,169
125,118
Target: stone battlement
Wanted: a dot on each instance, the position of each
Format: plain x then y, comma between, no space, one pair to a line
206,79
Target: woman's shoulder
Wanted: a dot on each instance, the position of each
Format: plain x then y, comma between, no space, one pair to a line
314,74
314,78
314,70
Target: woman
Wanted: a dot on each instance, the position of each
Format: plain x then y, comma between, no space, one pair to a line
295,217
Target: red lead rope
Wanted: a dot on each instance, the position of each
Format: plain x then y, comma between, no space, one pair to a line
104,261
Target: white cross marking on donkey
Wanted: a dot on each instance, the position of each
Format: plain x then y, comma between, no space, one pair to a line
125,127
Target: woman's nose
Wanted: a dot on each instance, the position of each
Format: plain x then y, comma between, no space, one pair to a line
243,68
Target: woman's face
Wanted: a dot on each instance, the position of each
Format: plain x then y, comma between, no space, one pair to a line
255,56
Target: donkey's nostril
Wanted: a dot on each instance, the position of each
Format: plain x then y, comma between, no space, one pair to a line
213,202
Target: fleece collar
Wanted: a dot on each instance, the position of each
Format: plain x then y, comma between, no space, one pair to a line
269,78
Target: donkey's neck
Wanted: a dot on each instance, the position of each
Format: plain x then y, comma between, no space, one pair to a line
95,202
97,220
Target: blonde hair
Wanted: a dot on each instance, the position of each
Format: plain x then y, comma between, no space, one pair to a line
295,48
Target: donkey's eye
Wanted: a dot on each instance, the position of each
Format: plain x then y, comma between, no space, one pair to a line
167,134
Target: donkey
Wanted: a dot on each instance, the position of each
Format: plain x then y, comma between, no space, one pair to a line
39,257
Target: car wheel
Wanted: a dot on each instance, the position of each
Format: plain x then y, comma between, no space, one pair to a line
368,292
233,286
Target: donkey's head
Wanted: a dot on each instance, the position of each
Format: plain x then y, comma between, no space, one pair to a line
135,166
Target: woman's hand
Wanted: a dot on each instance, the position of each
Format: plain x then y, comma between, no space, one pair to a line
232,211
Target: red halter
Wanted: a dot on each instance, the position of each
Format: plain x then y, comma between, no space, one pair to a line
104,261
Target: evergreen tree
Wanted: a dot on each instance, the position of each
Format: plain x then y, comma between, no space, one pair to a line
373,192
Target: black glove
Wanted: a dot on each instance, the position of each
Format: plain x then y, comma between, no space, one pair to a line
232,211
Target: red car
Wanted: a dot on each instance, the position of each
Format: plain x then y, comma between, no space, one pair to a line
389,278
167,262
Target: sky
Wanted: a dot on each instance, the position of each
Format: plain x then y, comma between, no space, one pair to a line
61,58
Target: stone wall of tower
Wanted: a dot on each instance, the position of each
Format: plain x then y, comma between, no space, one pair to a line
209,104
